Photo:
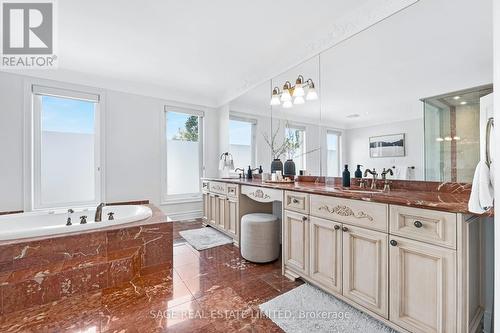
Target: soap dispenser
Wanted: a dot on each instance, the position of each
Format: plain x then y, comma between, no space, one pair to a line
346,177
358,173
249,172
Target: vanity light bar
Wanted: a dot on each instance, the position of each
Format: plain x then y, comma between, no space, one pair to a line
296,91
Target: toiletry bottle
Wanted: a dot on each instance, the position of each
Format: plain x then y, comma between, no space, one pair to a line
260,169
358,173
346,177
249,172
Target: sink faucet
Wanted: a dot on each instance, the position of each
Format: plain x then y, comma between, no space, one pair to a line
242,174
98,212
68,219
374,174
384,173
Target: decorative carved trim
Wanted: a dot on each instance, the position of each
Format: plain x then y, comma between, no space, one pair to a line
259,194
343,210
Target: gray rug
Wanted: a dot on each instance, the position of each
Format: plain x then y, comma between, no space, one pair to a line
309,309
205,238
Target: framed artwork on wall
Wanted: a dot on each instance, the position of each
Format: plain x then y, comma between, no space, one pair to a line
392,145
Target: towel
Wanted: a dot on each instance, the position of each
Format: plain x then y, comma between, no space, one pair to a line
481,198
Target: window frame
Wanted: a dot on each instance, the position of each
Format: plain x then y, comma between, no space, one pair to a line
253,143
185,197
302,128
339,152
32,141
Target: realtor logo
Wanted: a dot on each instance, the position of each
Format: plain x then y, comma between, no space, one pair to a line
28,34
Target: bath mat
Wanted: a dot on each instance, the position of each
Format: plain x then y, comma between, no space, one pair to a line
205,238
309,309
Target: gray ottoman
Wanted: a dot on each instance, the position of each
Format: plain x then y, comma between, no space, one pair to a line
260,237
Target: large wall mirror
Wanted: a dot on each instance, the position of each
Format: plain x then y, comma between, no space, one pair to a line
406,94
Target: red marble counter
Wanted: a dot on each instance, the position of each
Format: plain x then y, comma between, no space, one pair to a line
448,197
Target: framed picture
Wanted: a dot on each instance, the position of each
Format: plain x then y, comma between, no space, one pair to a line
392,145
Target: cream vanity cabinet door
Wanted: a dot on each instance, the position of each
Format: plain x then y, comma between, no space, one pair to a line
423,286
325,263
365,268
212,211
232,217
220,212
206,207
296,233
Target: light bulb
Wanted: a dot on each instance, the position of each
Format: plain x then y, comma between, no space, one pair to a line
299,100
298,91
311,94
287,104
456,138
439,139
285,96
275,100
448,138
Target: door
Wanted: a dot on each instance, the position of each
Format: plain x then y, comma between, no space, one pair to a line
296,252
206,207
232,218
365,269
221,212
212,211
423,282
326,253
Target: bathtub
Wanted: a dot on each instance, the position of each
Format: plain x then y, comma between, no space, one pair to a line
38,224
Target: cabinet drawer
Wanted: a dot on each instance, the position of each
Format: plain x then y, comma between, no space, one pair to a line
216,187
232,191
365,214
297,202
431,226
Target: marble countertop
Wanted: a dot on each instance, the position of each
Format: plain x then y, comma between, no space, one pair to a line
454,201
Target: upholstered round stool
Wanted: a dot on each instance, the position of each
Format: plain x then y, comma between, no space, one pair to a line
260,237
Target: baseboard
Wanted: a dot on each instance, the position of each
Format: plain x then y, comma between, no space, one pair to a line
188,215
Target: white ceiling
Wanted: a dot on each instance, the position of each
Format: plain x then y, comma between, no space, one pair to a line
204,52
430,48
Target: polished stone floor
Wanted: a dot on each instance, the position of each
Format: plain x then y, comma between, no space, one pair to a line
213,290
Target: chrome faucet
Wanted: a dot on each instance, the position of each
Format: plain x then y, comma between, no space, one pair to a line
98,212
374,174
387,185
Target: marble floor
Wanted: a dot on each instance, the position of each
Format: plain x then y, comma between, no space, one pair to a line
213,290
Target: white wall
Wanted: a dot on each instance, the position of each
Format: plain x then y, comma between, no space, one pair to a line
496,57
132,147
357,152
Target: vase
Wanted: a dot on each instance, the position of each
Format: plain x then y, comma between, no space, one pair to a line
289,168
276,164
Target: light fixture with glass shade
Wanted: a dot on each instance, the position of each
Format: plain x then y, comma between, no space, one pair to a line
298,91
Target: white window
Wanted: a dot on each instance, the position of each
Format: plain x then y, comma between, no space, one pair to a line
242,141
297,139
65,148
333,153
183,153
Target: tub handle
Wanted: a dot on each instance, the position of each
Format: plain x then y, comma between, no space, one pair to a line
83,219
111,216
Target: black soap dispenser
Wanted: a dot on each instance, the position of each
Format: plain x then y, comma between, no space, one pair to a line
358,173
346,177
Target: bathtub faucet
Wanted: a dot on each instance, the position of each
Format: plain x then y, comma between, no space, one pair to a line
98,212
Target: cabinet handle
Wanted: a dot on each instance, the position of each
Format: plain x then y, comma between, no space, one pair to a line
393,242
345,229
336,227
294,200
304,218
417,224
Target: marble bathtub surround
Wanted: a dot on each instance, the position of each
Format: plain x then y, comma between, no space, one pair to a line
37,271
448,197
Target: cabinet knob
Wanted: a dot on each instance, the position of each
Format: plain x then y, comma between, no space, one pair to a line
417,224
294,200
336,227
393,242
345,229
304,218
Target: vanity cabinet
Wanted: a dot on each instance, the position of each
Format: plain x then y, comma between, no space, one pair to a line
296,245
221,207
325,238
417,270
365,268
423,286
